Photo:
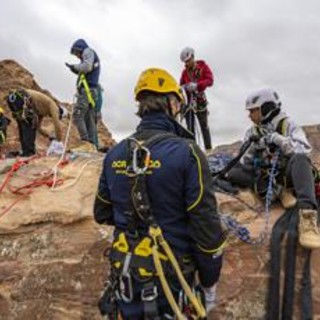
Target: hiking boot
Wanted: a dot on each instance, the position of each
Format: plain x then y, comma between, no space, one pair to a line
287,199
309,235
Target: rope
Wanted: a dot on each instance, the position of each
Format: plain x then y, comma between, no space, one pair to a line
55,168
65,186
156,234
29,186
241,232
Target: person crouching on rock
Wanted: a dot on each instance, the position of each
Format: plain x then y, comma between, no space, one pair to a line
29,107
273,131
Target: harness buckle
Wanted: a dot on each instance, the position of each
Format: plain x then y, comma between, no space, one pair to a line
125,281
125,287
149,294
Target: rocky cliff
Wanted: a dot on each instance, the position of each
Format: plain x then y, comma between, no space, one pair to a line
51,250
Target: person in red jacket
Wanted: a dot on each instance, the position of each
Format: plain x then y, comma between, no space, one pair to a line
195,78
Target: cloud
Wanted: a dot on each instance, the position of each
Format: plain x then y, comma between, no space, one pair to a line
248,44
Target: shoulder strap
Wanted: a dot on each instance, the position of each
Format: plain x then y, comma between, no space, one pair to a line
282,126
149,138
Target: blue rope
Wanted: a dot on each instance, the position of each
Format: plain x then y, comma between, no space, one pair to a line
240,231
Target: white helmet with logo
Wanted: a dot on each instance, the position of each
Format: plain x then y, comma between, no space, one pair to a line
257,98
186,54
267,100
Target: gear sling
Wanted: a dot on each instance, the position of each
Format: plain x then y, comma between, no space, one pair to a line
145,255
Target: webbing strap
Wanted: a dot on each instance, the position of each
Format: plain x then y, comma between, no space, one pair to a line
288,223
149,296
2,137
140,198
135,262
83,82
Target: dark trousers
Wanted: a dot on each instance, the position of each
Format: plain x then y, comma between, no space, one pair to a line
203,121
298,174
27,136
84,116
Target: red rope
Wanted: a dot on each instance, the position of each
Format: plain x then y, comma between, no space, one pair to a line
48,181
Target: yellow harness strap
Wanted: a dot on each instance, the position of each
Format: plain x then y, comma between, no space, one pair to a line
2,137
83,81
156,235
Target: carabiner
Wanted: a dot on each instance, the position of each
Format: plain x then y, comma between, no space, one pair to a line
146,159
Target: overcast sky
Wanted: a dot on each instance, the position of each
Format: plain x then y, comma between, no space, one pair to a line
249,44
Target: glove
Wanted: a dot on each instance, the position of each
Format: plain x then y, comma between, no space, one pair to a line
210,295
191,87
272,138
71,67
56,147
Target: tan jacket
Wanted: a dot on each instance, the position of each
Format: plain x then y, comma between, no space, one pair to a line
45,106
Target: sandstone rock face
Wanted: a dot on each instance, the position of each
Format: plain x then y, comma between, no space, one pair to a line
51,251
51,262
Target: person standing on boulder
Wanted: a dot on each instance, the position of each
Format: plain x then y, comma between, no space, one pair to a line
196,78
29,107
88,71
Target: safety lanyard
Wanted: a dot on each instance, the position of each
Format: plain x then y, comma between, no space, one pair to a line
83,82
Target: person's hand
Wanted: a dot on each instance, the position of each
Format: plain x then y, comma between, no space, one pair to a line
71,67
270,138
274,138
191,87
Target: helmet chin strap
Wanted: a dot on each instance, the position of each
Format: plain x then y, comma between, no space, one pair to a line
268,117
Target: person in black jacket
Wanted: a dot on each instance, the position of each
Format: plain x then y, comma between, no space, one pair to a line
180,196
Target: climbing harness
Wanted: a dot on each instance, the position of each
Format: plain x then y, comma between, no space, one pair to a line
141,254
82,82
189,115
26,112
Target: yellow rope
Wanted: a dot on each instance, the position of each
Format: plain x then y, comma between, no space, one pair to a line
156,233
164,282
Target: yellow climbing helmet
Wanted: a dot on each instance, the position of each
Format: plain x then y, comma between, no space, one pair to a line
157,80
1,110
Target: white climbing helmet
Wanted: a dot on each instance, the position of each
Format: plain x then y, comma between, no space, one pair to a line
186,54
257,98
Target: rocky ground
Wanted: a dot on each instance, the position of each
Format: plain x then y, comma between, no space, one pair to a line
51,251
